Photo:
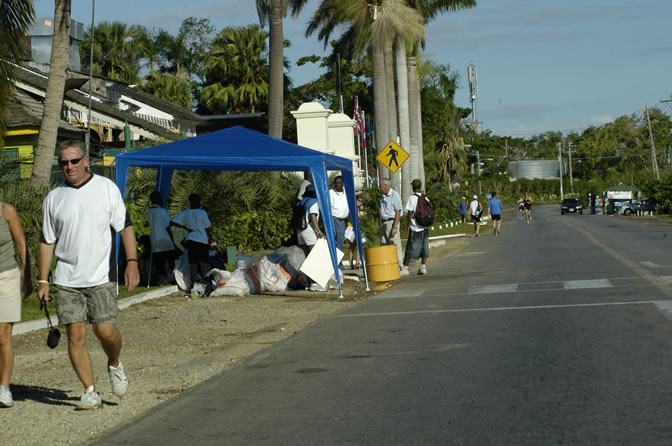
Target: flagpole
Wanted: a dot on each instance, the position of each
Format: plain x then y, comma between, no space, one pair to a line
366,150
340,87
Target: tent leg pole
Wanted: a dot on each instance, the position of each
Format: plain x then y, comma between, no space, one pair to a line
149,273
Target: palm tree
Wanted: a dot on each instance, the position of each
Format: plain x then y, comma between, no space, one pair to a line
371,25
117,50
15,17
236,72
273,11
404,117
151,43
171,87
428,9
53,99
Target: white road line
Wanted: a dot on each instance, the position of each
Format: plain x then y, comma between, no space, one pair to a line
649,264
502,288
581,284
665,307
397,293
667,279
533,307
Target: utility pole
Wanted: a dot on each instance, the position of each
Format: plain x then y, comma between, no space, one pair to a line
571,179
562,196
87,137
472,75
654,163
478,163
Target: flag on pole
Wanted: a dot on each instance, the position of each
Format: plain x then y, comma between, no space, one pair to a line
358,128
372,130
362,123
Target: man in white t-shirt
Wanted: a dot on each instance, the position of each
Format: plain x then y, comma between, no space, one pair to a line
164,252
339,213
196,221
417,246
476,210
80,221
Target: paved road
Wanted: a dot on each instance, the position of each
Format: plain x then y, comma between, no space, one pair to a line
556,332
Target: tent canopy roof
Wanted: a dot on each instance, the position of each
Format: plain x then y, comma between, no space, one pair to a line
620,187
238,148
235,148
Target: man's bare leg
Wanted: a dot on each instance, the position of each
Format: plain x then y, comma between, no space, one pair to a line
79,355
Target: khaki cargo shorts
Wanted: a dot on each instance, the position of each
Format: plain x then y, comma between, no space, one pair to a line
96,304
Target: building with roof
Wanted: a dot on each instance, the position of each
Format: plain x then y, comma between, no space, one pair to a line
121,115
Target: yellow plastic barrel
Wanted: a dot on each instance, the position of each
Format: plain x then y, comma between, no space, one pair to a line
381,263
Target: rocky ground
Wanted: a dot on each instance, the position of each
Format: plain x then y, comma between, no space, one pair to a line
170,344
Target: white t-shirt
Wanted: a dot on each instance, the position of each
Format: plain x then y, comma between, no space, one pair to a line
411,204
158,220
196,221
314,209
80,221
339,204
473,207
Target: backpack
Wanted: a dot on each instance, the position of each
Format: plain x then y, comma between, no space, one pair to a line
424,212
299,213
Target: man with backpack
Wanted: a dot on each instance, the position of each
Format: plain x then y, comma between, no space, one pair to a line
420,218
305,222
475,210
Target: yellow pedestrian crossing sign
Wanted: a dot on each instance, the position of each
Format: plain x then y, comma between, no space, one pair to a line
392,156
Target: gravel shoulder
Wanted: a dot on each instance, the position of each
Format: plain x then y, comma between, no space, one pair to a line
170,345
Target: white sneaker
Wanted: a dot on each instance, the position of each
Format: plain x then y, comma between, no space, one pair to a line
403,271
6,399
90,401
118,380
422,270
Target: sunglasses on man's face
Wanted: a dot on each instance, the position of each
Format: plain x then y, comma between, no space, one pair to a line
74,161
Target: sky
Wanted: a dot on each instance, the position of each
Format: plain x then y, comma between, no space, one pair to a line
545,65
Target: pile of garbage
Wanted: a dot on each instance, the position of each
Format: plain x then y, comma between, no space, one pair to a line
278,271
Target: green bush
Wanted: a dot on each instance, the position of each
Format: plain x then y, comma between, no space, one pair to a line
660,191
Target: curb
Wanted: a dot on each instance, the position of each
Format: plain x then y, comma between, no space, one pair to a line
38,324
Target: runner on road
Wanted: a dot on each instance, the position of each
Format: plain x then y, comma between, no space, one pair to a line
521,207
528,208
495,212
475,210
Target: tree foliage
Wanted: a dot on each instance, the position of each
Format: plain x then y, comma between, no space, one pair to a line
117,51
236,75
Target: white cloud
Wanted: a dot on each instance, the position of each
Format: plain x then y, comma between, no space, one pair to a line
601,119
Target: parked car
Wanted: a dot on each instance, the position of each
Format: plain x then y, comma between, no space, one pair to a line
641,206
572,205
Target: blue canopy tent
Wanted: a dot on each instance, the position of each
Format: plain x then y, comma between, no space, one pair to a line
238,148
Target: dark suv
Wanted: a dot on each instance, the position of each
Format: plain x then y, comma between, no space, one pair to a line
571,205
